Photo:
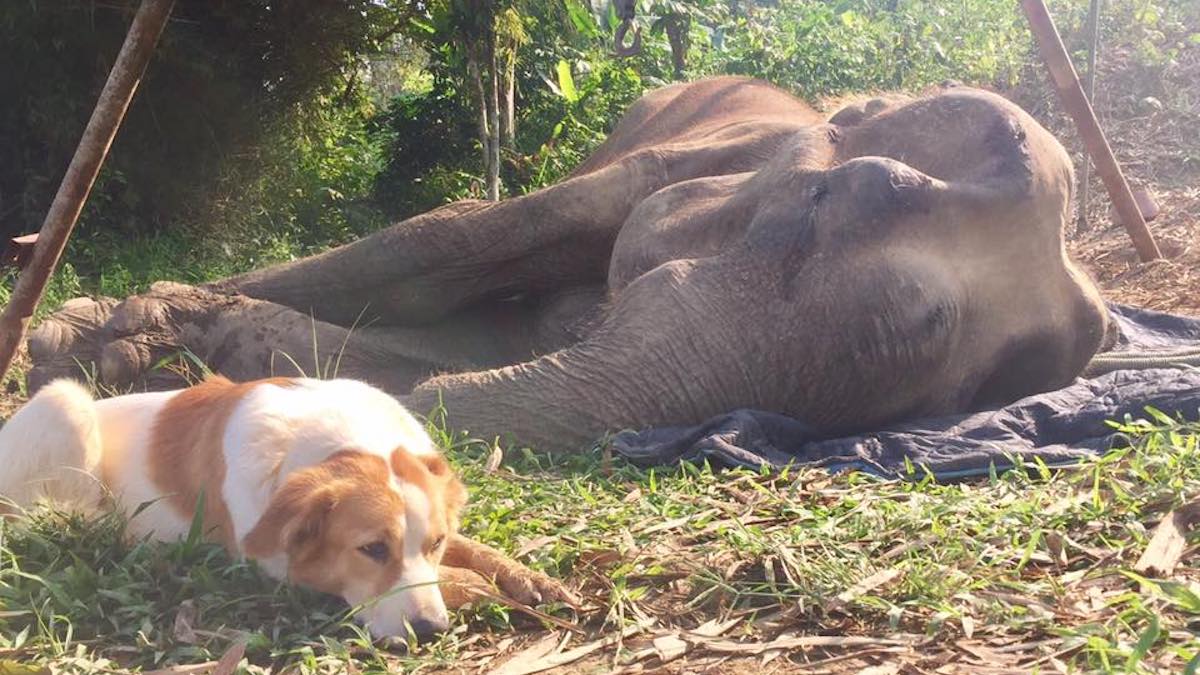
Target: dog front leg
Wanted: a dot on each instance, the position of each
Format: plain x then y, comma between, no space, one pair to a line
472,565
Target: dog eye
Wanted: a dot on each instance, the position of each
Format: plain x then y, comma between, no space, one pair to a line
376,550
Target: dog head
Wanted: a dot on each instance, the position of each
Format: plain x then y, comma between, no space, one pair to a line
369,529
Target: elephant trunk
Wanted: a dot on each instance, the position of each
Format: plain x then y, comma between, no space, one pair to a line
631,373
540,403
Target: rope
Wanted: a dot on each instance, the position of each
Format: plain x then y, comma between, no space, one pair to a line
1141,360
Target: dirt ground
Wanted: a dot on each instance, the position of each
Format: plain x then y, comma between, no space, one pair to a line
1152,119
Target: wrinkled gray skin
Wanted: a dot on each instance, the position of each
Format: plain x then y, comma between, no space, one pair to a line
727,247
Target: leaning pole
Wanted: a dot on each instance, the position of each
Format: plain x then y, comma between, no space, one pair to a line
93,147
1070,93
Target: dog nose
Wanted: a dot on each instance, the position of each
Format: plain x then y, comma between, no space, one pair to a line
424,629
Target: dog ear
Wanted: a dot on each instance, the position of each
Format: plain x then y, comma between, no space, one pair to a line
294,518
437,465
434,473
455,494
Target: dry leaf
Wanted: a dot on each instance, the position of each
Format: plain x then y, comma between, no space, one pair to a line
1166,546
494,459
185,622
863,587
189,669
601,559
804,642
670,647
528,666
968,625
533,545
228,663
550,644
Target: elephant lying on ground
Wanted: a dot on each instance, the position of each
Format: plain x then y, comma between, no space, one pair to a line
727,247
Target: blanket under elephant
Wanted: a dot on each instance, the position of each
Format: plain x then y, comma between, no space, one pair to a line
1058,428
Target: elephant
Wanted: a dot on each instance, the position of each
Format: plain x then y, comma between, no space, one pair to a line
726,247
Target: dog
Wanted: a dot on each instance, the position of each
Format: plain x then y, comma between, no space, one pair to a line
330,484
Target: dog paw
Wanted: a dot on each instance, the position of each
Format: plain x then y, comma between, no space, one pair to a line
531,587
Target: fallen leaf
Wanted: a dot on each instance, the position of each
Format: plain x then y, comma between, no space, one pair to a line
863,587
185,621
229,661
494,459
11,667
533,545
670,647
803,642
202,667
1166,545
601,559
554,660
548,645
968,625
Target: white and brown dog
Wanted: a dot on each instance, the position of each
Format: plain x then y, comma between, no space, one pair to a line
329,484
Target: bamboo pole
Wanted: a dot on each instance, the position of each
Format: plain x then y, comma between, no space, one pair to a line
1093,35
73,192
1066,82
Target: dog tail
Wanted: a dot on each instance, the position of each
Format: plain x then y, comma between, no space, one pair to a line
50,450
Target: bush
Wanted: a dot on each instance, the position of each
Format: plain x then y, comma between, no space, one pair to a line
230,85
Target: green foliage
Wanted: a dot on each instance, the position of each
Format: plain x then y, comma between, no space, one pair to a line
244,132
827,48
574,114
429,157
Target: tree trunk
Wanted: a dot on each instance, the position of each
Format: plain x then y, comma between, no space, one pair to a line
493,116
508,122
481,97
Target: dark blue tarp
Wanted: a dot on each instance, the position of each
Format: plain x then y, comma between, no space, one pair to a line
1057,428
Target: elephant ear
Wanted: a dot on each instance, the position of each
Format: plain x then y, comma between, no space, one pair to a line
294,521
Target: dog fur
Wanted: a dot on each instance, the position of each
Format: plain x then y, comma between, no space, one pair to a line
331,484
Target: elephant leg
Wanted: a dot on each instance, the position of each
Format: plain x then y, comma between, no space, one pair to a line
433,265
68,344
437,268
449,271
144,342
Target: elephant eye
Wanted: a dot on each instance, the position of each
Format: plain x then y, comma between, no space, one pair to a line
376,550
819,192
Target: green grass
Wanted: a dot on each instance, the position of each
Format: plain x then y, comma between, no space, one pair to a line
1032,563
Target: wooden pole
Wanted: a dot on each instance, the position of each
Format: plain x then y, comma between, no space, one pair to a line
1066,82
1093,35
73,192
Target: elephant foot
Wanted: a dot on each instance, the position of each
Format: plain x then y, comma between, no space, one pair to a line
137,343
67,344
